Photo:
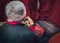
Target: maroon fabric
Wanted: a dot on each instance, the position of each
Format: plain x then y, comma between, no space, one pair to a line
55,38
49,10
56,13
2,9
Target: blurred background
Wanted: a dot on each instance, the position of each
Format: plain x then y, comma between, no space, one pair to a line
46,10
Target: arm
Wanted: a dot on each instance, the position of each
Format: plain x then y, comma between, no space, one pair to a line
37,29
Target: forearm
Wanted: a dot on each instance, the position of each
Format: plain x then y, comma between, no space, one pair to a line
38,30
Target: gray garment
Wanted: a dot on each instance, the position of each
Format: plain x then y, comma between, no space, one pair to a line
50,28
16,34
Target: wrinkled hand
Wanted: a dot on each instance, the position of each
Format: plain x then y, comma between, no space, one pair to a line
39,31
28,21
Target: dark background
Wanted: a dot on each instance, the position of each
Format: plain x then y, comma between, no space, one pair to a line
49,10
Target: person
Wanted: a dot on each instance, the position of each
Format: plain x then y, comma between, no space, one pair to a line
14,31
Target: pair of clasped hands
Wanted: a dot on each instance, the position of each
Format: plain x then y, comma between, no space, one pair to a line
29,22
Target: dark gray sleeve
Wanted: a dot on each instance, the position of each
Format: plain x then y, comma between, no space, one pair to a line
16,34
49,27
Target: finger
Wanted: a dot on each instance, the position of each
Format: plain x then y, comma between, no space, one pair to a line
27,24
30,20
23,22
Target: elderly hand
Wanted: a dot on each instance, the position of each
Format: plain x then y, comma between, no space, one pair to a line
39,31
28,21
